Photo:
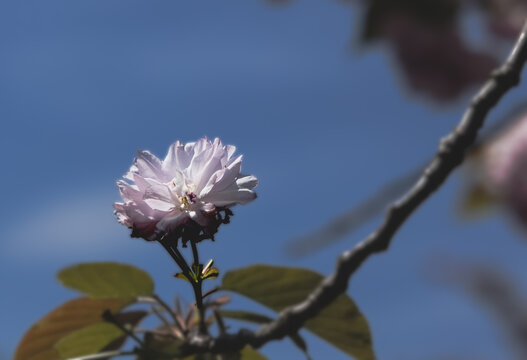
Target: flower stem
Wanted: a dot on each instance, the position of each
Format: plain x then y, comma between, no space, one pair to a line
195,253
184,266
194,278
178,258
197,289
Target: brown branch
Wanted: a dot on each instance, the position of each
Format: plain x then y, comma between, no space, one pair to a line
451,153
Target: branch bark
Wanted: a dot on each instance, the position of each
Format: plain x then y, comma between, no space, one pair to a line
450,154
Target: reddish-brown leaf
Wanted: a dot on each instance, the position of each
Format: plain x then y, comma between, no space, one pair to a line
38,342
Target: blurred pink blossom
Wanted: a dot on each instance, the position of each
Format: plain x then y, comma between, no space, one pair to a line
505,166
506,17
187,190
434,59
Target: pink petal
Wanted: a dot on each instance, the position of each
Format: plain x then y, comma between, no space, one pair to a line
178,157
149,166
173,221
129,192
230,197
223,178
247,182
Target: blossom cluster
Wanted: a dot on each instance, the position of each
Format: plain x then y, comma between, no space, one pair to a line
186,195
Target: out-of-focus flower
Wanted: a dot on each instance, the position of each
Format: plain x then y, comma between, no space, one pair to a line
506,17
505,168
434,59
497,292
187,195
427,40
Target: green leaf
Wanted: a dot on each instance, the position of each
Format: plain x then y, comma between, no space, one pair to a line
38,342
159,347
255,318
129,320
107,280
98,337
248,353
183,277
475,201
211,273
341,323
246,316
88,340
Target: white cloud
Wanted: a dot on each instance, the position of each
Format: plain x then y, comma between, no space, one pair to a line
76,227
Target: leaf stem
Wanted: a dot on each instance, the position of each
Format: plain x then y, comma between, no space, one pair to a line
108,317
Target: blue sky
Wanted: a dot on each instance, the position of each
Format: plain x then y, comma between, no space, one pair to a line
85,84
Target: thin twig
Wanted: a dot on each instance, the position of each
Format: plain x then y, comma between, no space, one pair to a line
157,312
105,355
451,153
210,292
219,321
109,317
170,311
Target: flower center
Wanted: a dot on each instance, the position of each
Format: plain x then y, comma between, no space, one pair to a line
187,200
183,190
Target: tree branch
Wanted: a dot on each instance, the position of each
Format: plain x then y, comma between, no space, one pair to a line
349,221
450,154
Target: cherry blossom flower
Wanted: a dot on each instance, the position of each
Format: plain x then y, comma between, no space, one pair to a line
186,195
